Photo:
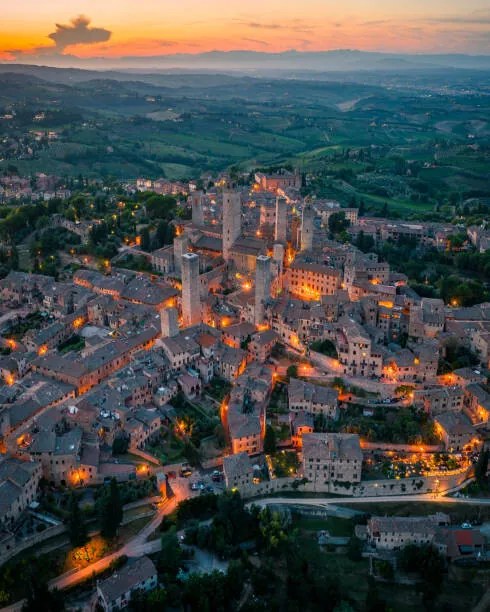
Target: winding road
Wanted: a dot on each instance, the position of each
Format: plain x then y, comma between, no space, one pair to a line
334,501
139,544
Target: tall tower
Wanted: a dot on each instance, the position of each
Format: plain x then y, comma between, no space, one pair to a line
307,228
191,301
197,211
295,232
278,257
262,286
280,234
169,321
181,246
232,220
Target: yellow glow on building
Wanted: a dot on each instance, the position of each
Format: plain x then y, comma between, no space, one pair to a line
307,293
10,379
78,322
263,327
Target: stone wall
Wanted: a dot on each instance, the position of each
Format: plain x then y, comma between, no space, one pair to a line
326,363
34,540
408,448
366,488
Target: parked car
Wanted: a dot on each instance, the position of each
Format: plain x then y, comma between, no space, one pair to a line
216,476
186,472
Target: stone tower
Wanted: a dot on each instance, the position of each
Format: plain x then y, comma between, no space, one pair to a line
232,220
307,228
280,233
197,211
278,257
181,246
169,321
191,300
262,286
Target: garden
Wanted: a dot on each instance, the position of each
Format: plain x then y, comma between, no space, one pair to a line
284,463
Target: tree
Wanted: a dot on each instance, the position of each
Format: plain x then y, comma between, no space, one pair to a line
77,528
157,599
111,511
164,234
292,371
144,601
145,239
364,242
269,440
354,549
170,556
339,384
385,569
337,223
191,453
120,445
161,206
273,530
99,233
244,344
326,347
373,601
320,422
206,592
219,434
481,468
40,597
425,561
404,390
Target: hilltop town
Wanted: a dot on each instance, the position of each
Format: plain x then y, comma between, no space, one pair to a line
178,341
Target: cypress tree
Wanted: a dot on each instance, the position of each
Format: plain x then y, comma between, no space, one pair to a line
112,512
76,525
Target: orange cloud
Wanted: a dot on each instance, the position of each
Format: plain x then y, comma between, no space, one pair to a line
310,27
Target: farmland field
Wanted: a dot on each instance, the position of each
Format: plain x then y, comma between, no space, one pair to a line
406,144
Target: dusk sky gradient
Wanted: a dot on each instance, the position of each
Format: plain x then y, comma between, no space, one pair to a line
116,28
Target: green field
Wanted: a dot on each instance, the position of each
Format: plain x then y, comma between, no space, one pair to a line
348,134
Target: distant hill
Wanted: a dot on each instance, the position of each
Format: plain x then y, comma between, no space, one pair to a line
260,62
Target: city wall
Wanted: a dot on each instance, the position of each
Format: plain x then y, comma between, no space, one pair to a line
405,448
437,483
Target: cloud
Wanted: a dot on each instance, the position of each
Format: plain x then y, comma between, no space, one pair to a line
296,26
374,23
263,26
475,18
481,17
256,41
78,32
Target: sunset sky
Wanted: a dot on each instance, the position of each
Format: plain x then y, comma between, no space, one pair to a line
31,29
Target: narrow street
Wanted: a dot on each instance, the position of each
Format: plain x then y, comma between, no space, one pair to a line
136,547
